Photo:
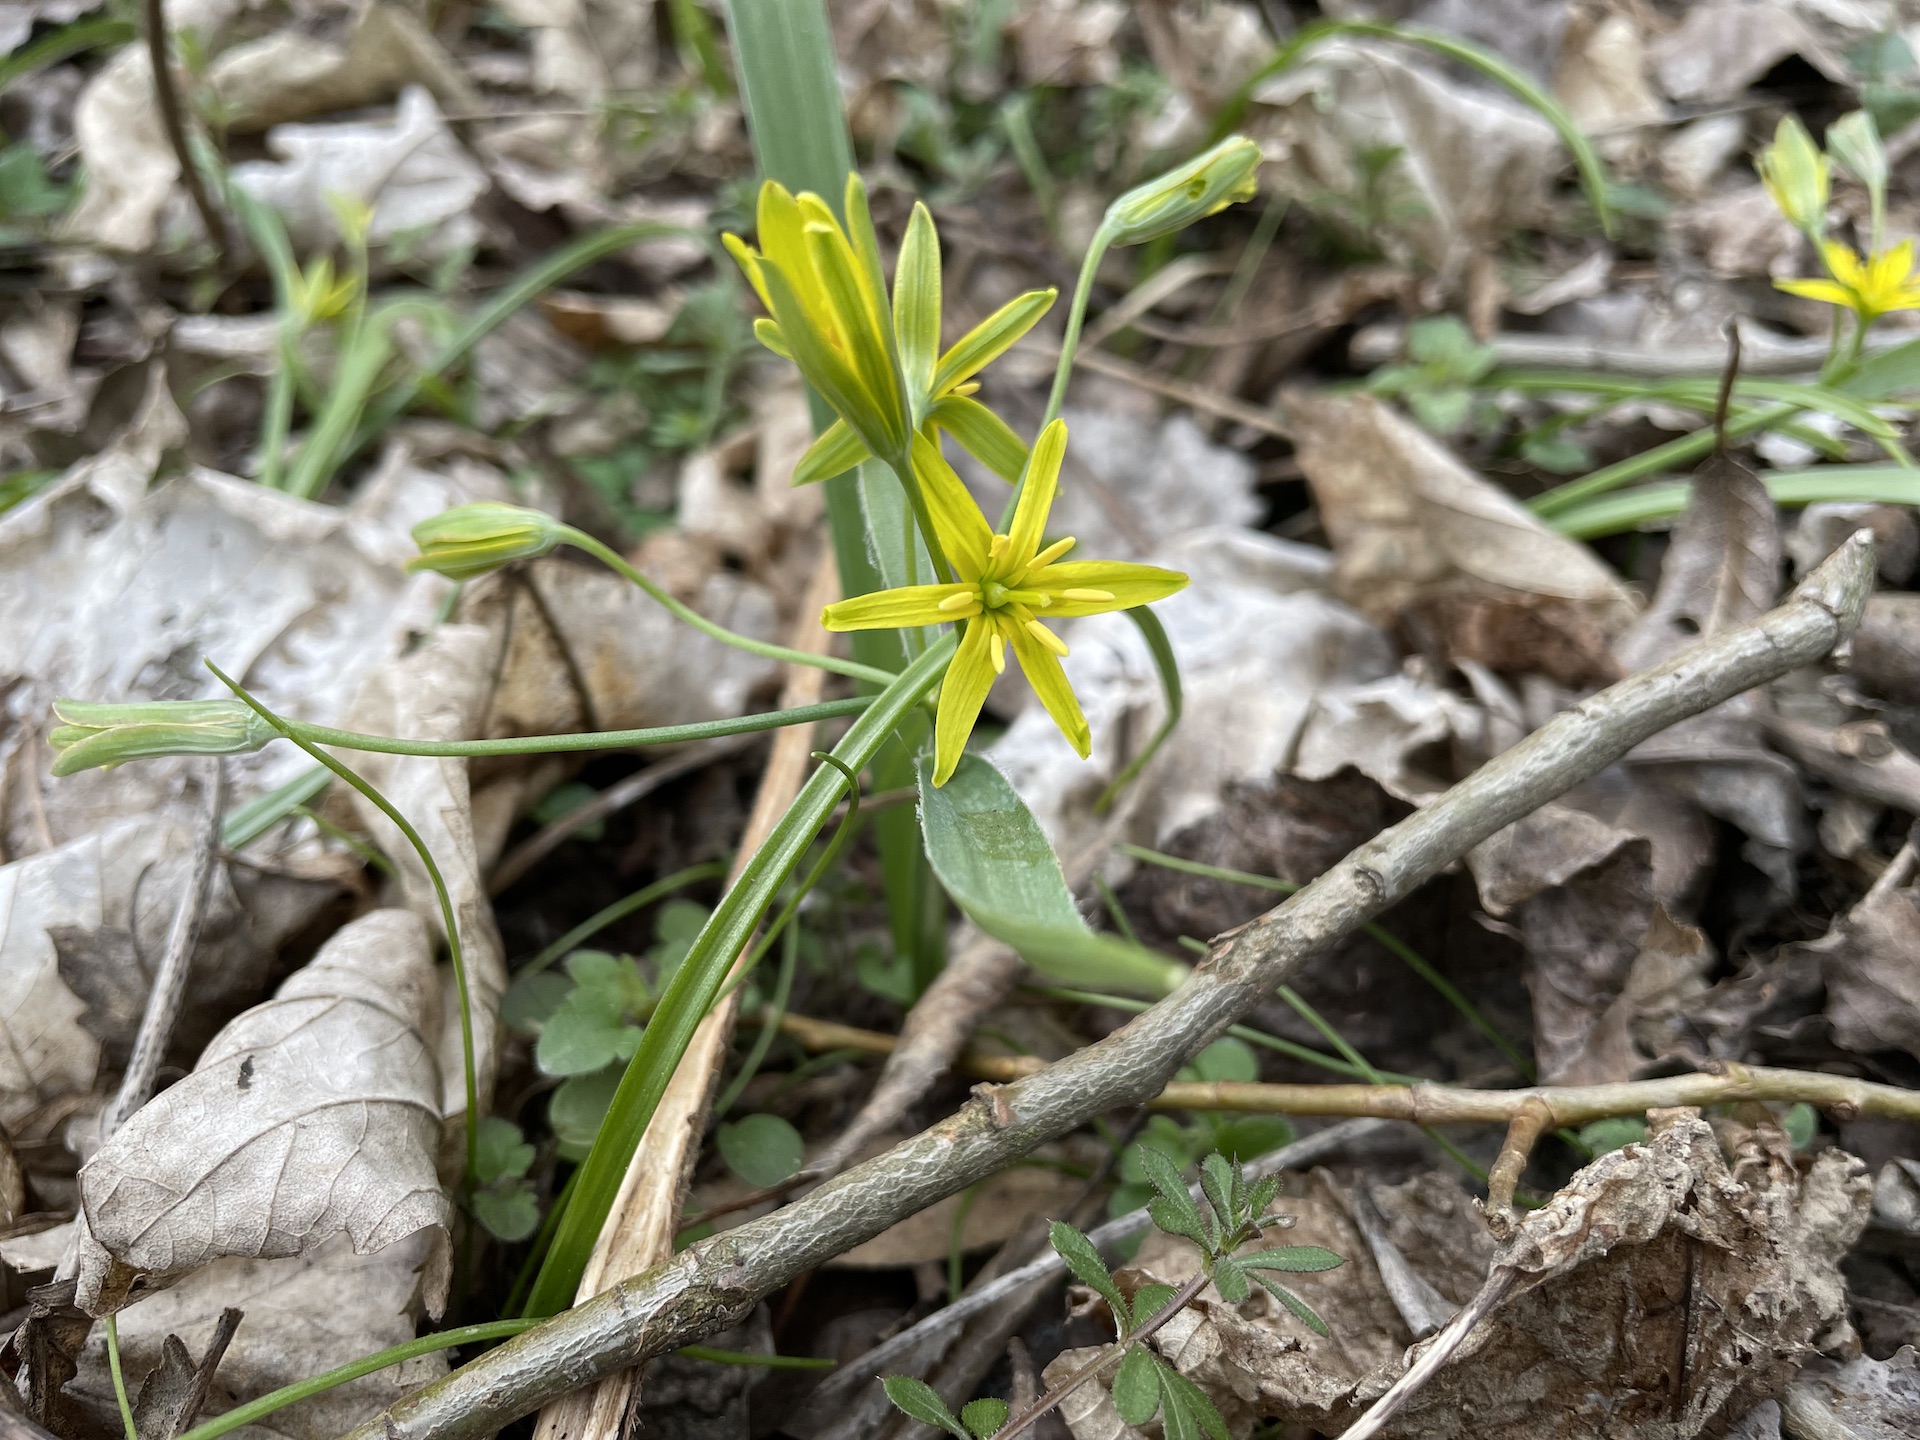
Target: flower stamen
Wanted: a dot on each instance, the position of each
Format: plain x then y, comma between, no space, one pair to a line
1046,637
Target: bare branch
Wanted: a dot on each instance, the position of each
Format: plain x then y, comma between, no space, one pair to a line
715,1283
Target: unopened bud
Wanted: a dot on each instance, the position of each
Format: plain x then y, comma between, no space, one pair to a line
1796,176
470,540
1205,184
108,735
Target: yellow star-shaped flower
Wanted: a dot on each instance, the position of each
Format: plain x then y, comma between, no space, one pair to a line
1870,287
1003,585
878,365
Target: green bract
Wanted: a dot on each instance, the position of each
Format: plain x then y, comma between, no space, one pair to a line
1207,183
109,735
470,540
879,365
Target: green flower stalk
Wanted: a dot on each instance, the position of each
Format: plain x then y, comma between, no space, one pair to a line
1204,186
470,540
878,364
95,735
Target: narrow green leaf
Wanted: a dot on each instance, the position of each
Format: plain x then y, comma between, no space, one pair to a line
1230,1280
984,1417
1301,1310
1197,1412
1087,1266
1299,1259
982,434
1177,1221
924,1404
994,860
1149,1300
1136,1386
1165,1177
1653,504
1216,1183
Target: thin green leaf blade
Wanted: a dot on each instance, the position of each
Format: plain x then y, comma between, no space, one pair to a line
923,1403
1087,1266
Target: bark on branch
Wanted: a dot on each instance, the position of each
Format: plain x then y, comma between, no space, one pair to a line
716,1283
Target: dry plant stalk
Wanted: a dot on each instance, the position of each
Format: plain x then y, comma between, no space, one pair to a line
713,1284
639,1230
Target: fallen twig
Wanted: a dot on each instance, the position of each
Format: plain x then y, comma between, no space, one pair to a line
170,979
173,121
715,1283
1427,1104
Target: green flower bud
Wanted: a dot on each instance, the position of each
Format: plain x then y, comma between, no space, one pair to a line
470,540
109,735
1206,184
1796,176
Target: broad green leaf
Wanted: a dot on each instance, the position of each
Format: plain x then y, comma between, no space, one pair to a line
1225,1060
584,1035
984,1417
762,1149
531,1000
982,434
502,1152
1301,1310
1248,1137
1136,1386
1087,1266
508,1212
1605,1136
1891,373
578,1107
1298,1259
924,1404
992,857
1149,1300
1801,1124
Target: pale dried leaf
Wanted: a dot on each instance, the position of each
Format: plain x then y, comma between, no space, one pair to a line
1868,961
314,1114
1864,1399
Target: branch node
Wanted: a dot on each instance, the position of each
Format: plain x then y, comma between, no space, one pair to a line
999,1109
1529,1123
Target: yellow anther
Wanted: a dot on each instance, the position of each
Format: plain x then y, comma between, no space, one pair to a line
1046,637
997,649
961,601
1097,597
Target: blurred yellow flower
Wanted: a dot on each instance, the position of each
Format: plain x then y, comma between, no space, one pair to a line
1003,585
1869,287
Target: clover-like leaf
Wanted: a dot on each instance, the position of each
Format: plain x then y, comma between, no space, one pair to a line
578,1107
501,1151
1227,1060
584,1035
762,1150
509,1211
923,1403
984,1417
531,1000
1087,1266
1136,1386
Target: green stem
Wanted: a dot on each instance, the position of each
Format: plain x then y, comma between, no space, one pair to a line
614,561
119,1378
1672,455
620,909
586,739
454,953
698,979
1076,317
300,1390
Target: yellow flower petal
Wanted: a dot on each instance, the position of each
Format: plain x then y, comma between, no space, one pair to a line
963,532
1128,585
988,340
1036,495
1822,290
863,334
962,693
837,451
981,433
889,609
749,263
916,301
1049,682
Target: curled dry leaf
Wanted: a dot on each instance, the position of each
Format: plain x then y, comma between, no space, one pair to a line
1868,963
312,1115
1422,541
